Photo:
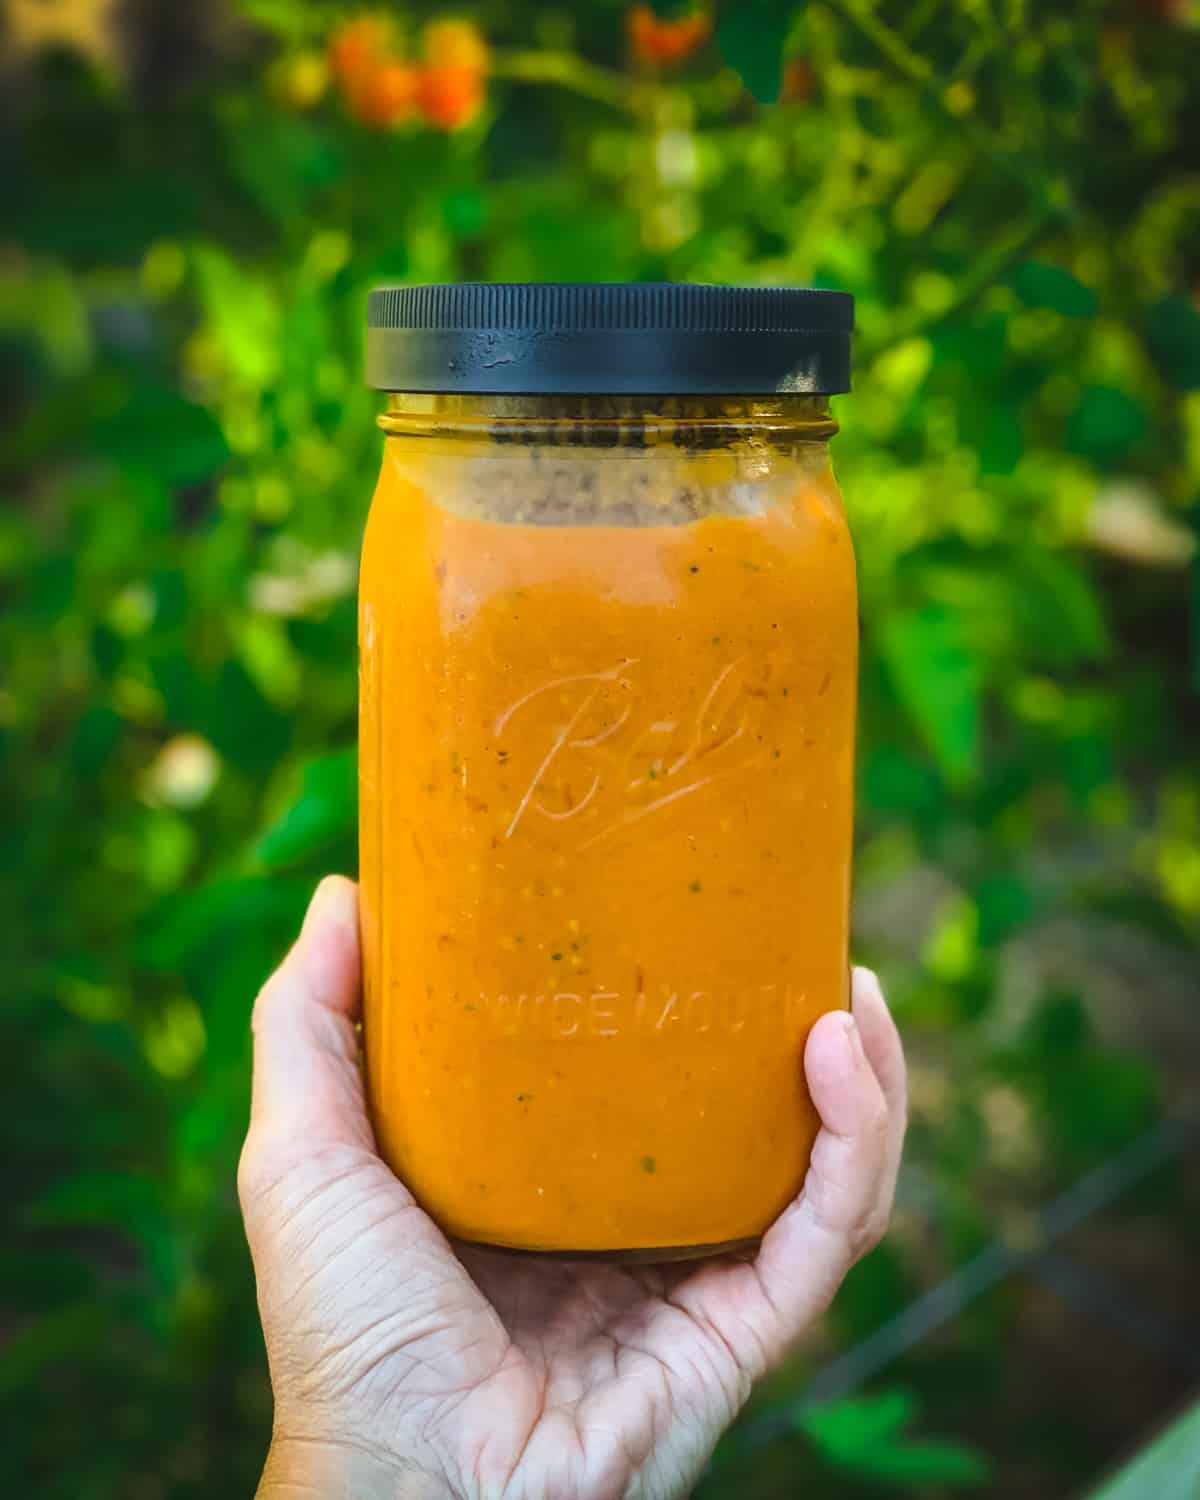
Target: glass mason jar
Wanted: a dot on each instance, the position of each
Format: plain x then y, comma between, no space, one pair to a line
608,651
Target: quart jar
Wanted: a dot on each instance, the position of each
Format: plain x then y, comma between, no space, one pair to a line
608,654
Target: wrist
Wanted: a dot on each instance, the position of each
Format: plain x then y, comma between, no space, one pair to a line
321,1469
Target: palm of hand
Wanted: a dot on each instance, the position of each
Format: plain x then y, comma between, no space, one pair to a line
625,1368
524,1376
480,1373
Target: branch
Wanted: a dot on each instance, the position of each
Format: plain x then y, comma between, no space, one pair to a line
565,70
986,272
1052,192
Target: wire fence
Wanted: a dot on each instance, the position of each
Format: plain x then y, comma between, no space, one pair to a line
1103,1297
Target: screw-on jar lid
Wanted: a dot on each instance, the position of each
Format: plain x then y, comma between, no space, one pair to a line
609,338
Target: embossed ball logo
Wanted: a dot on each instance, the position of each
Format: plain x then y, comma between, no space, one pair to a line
594,744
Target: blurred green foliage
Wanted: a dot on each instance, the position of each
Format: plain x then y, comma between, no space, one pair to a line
195,214
866,1437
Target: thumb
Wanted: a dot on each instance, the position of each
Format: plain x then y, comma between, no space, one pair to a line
844,1206
308,1088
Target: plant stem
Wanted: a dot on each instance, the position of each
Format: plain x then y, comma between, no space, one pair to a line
566,70
986,272
1051,192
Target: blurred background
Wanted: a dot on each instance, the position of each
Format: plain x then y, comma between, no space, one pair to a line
198,198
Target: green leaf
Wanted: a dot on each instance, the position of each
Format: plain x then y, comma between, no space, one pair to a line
113,214
1173,331
465,213
867,1435
845,1429
1001,440
992,425
938,680
1099,1103
223,939
325,811
1086,763
529,242
1004,903
329,639
121,1201
932,1461
157,430
1040,284
1054,601
240,722
892,782
1106,423
292,20
1017,602
1194,605
751,39
66,1335
50,305
1059,1027
183,932
243,312
96,1198
281,162
876,1288
1167,1469
49,587
96,737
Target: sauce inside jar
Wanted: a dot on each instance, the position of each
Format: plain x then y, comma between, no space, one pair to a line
606,780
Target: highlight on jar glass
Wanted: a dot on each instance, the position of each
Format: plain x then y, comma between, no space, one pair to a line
608,656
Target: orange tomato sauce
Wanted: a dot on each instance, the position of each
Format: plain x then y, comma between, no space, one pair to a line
606,799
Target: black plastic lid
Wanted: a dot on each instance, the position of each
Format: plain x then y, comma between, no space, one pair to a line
609,338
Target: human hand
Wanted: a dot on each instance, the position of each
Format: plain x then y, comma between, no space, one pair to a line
404,1366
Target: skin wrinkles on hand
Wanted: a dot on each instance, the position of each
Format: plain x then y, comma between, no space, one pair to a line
403,1365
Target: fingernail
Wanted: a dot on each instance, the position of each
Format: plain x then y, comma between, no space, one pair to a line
866,980
334,900
853,1036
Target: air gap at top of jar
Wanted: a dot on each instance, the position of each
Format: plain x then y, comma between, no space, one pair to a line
608,649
